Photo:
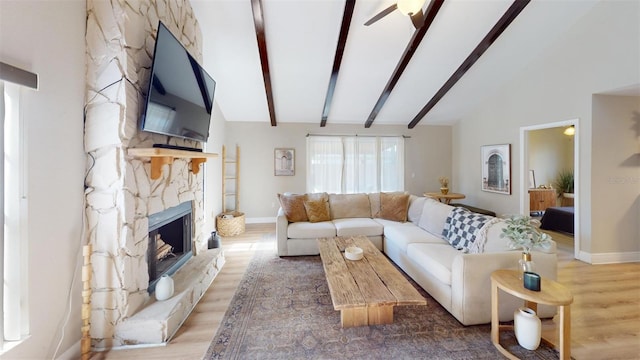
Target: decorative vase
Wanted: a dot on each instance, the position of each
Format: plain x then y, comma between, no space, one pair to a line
444,190
527,327
214,240
164,288
526,264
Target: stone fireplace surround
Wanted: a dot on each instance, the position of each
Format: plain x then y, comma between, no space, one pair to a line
120,194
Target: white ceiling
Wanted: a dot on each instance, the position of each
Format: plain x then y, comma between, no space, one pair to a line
301,41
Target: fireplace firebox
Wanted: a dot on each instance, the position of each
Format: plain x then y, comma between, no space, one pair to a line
169,242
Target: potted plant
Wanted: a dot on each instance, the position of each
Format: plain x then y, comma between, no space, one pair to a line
523,234
444,184
564,183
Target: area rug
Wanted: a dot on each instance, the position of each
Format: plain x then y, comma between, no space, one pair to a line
282,310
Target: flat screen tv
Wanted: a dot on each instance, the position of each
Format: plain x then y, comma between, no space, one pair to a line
180,93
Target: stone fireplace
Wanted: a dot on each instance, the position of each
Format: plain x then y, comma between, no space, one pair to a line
122,201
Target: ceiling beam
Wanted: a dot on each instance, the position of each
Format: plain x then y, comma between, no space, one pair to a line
502,24
337,60
418,35
258,21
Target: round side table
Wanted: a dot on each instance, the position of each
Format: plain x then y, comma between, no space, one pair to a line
551,293
444,198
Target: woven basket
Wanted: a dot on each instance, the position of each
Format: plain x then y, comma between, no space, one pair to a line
232,226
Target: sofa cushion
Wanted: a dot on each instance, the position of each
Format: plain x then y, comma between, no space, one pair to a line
385,222
303,230
393,206
349,206
401,236
467,230
317,196
434,258
374,201
317,210
293,206
357,226
433,217
416,204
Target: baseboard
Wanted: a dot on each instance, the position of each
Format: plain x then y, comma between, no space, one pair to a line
260,220
610,258
72,353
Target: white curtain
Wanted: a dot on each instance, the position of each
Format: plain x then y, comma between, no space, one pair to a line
15,325
325,158
355,164
391,164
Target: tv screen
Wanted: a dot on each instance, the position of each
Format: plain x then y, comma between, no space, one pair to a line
180,92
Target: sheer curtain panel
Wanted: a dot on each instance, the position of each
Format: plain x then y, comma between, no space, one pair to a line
355,164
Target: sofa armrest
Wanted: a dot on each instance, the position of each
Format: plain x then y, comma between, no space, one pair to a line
281,233
471,284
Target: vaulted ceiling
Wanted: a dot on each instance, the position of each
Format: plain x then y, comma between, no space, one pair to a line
463,57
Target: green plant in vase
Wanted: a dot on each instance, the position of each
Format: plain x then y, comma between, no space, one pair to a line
522,232
564,182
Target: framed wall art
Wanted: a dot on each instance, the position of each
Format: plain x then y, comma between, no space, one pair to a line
496,168
284,160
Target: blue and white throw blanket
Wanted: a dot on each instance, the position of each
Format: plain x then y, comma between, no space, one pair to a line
466,230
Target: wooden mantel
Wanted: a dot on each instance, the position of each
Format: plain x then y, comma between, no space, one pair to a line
161,156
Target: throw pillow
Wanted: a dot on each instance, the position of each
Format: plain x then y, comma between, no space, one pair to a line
317,210
293,207
465,228
345,206
374,201
416,204
393,206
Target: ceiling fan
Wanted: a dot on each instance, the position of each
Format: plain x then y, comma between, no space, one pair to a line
411,8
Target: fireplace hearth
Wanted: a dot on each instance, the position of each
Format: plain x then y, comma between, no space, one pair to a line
169,242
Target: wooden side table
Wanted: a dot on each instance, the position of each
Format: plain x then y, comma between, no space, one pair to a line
444,198
551,293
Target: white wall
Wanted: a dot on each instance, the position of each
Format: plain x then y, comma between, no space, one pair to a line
601,52
616,174
427,157
212,168
550,151
47,37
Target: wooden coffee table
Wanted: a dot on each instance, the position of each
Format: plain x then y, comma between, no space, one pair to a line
364,291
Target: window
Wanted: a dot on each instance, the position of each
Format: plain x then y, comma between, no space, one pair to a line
355,164
13,247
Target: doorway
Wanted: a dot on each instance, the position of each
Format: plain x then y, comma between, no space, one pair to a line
525,167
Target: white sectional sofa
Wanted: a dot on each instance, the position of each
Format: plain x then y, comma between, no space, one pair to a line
459,279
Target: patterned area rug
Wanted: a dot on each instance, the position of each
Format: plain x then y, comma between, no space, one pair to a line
282,310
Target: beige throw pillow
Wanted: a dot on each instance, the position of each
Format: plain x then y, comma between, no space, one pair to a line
374,201
317,210
345,206
293,207
393,206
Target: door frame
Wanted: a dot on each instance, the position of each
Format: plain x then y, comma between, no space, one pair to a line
524,173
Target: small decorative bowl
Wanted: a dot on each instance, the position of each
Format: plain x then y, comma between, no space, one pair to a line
353,253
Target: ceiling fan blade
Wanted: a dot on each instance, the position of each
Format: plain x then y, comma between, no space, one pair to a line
417,19
381,14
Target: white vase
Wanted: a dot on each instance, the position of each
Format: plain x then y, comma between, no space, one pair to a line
528,328
164,288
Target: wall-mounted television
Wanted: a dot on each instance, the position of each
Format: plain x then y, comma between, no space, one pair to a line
180,93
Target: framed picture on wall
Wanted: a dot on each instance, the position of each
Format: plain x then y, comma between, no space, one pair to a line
284,160
496,168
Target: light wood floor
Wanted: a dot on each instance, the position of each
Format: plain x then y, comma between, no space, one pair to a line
605,315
